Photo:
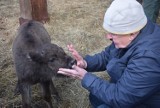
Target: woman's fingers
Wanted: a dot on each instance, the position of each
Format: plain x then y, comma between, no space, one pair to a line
74,52
68,72
70,48
76,72
80,61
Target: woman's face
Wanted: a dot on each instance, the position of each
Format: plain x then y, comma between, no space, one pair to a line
121,41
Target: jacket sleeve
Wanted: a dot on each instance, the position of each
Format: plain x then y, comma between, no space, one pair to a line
98,61
138,82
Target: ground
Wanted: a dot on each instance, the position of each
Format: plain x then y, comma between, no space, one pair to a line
71,21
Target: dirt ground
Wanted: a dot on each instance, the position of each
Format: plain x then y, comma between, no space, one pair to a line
71,21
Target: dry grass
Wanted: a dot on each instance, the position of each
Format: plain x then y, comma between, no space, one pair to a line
71,21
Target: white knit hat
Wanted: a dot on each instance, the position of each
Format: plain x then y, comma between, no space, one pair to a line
124,17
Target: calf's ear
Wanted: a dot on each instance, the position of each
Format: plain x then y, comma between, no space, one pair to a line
36,57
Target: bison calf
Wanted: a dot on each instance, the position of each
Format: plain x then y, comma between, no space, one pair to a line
37,60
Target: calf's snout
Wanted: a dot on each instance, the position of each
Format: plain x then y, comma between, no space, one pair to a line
72,62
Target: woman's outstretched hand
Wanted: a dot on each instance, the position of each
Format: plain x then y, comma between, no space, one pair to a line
80,61
75,72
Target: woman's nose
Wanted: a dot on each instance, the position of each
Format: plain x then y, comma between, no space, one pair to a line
109,36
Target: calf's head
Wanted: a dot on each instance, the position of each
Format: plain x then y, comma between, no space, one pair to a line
53,56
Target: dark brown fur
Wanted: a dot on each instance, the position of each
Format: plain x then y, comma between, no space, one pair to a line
37,61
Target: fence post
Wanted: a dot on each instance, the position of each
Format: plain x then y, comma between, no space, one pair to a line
33,10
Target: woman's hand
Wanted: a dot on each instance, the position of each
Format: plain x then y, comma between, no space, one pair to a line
75,72
80,61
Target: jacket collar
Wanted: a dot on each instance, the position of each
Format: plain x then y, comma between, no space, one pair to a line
148,29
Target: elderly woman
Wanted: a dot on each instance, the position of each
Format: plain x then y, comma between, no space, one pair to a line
132,61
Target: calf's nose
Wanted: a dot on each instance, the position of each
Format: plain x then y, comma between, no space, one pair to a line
73,62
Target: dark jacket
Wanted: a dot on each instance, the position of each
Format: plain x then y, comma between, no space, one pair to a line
134,72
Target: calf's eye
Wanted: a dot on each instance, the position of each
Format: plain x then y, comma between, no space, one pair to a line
52,60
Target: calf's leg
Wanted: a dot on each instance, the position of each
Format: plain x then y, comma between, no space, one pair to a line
54,91
47,93
26,95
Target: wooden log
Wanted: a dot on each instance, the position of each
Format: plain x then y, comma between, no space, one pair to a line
33,10
39,10
25,11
